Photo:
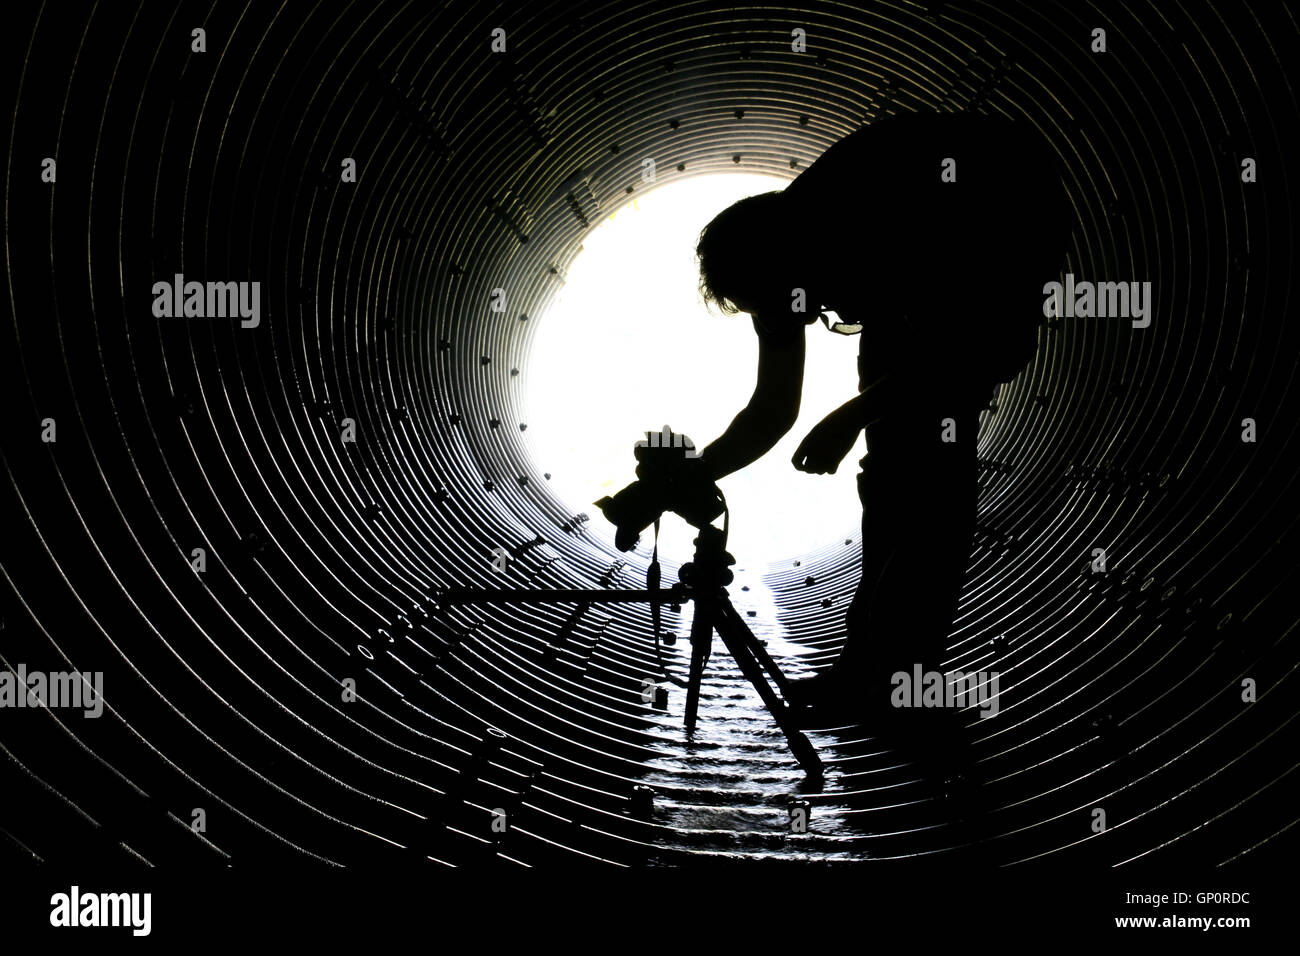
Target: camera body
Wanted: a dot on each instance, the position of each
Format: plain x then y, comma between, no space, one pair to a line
670,477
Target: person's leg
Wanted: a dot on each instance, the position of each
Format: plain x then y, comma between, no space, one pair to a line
824,688
917,592
915,557
880,540
919,497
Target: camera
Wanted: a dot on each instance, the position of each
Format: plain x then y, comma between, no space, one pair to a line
670,477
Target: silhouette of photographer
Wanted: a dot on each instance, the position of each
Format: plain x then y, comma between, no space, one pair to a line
933,235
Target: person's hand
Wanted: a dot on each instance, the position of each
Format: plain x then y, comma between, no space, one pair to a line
826,445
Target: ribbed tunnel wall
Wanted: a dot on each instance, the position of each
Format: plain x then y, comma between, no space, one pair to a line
480,171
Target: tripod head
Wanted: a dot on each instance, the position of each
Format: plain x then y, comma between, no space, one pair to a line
709,570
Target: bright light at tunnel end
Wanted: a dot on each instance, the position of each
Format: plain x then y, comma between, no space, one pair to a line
628,346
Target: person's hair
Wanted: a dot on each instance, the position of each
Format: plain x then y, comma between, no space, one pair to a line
738,250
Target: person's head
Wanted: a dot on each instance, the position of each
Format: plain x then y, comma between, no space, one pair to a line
745,257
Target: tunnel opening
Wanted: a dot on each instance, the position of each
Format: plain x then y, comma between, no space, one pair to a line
627,346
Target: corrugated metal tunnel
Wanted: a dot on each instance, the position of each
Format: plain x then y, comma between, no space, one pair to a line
203,534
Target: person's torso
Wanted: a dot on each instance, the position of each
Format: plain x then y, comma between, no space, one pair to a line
912,257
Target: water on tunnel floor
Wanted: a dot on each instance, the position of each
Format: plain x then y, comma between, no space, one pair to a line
724,791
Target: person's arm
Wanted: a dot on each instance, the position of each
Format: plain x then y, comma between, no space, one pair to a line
772,409
823,449
868,406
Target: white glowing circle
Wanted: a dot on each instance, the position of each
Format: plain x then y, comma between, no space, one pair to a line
628,346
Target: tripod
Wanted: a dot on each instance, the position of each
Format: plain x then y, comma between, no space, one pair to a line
702,580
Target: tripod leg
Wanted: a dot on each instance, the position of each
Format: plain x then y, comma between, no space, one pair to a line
744,647
749,666
701,644
730,613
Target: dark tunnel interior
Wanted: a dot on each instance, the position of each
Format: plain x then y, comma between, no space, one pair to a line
201,532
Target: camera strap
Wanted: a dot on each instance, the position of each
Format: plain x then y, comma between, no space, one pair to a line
652,585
